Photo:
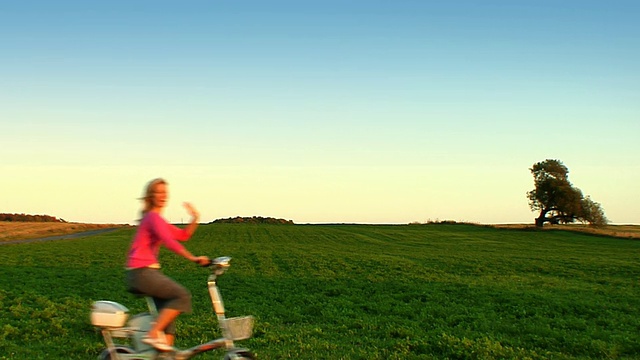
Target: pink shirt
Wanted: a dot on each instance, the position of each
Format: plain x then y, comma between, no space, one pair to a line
153,232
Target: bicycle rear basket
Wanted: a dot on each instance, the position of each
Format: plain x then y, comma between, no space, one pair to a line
240,328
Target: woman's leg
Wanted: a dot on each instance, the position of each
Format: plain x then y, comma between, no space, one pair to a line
165,317
169,339
170,297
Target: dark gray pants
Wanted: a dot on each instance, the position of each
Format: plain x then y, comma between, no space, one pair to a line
165,292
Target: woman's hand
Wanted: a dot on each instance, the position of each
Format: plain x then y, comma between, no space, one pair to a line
202,260
191,210
195,218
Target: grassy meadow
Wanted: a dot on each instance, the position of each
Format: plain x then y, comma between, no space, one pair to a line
436,291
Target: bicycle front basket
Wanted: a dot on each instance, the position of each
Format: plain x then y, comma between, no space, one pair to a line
240,328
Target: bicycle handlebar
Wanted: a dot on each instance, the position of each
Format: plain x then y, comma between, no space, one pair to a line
219,262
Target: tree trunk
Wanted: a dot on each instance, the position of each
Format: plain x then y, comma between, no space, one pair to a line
540,220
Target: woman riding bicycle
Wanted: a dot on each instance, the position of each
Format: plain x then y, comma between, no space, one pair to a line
144,275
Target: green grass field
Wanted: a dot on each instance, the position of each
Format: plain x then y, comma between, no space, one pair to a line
349,292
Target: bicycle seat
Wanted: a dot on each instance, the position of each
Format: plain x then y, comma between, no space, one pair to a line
136,292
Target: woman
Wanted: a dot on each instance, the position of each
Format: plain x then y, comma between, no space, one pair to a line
143,269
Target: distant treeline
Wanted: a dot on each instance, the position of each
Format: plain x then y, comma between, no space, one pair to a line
30,218
252,220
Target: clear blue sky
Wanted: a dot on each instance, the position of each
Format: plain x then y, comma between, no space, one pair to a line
317,111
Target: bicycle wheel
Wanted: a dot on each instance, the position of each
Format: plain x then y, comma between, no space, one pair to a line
239,354
120,349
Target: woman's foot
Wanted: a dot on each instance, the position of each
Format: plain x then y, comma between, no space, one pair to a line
157,343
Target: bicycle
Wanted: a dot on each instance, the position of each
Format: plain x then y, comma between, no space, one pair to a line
111,317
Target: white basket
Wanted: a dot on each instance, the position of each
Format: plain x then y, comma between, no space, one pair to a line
240,328
108,314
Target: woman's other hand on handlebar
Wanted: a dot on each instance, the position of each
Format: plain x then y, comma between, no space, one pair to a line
202,260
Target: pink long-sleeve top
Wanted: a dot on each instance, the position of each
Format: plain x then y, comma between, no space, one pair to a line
153,232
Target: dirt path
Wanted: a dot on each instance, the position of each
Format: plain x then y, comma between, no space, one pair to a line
619,231
61,237
16,232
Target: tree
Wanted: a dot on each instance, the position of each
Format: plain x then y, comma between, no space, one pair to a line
558,201
593,213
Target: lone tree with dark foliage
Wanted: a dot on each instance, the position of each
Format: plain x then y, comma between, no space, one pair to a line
558,201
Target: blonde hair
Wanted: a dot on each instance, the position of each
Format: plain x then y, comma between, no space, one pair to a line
148,194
